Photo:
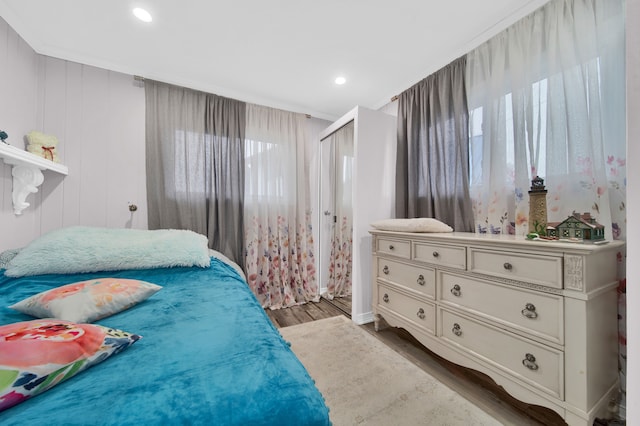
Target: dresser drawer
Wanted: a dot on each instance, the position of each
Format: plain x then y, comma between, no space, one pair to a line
422,314
441,255
394,247
536,364
420,279
532,312
531,268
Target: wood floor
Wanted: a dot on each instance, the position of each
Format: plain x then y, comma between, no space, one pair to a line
308,312
475,386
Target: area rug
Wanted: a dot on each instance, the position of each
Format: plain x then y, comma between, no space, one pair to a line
365,382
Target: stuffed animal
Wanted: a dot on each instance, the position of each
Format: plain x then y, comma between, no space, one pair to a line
42,145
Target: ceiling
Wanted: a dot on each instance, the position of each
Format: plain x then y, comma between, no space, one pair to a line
280,53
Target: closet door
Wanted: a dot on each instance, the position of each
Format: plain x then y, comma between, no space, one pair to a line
357,187
340,263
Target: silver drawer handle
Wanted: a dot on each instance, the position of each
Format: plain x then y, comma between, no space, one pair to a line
456,329
529,361
456,290
508,266
385,298
420,313
436,254
529,311
385,270
391,247
421,280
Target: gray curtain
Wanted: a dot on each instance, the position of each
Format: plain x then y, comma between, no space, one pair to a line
432,170
195,164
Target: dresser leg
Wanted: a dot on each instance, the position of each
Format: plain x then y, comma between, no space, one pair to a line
376,322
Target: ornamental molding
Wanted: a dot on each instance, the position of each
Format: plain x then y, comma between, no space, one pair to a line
573,272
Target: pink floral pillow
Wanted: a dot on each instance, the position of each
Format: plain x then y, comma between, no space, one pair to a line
37,355
87,301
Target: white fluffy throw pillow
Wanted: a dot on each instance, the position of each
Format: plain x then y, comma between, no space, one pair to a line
79,249
420,224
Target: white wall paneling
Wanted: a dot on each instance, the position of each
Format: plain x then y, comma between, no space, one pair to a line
18,86
98,117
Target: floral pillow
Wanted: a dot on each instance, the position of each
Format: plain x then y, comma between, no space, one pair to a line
87,301
37,355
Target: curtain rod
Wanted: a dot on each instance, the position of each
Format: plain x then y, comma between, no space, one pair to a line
141,79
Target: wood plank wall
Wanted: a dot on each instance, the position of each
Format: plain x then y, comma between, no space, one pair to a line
98,117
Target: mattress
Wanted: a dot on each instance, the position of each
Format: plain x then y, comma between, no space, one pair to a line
208,354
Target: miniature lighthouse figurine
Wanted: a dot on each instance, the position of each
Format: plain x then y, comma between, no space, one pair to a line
538,207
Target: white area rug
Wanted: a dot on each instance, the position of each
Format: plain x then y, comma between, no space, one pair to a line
364,382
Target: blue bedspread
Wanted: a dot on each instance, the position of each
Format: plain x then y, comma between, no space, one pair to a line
209,355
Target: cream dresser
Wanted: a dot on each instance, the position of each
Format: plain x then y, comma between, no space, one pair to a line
540,318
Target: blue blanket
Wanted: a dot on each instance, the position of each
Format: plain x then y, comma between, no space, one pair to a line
209,355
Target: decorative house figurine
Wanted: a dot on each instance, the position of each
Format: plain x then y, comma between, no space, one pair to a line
582,227
538,207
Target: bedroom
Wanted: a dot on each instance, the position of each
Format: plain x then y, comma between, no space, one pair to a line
72,100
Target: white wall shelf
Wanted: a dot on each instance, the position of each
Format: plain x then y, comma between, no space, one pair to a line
27,173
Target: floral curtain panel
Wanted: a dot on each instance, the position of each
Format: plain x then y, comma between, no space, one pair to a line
279,260
547,98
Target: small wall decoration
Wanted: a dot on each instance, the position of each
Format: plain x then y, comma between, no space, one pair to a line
43,145
3,136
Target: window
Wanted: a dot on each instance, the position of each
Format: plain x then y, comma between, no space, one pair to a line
534,141
191,148
270,183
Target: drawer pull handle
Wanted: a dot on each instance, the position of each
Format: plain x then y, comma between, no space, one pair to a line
391,247
508,266
420,313
456,290
457,330
421,280
529,361
436,254
529,311
385,298
385,270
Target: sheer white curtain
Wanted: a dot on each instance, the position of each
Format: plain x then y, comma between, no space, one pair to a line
279,260
547,98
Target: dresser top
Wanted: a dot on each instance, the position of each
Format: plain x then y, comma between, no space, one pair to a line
502,241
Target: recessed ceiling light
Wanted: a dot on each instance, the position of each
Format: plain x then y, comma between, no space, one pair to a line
341,80
142,14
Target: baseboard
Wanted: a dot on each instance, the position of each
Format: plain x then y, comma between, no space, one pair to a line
361,319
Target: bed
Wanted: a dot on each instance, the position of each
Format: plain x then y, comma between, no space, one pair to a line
198,350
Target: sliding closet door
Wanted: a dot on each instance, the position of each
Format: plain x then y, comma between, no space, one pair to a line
357,187
337,221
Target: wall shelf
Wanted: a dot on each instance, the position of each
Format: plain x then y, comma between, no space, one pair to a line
27,173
